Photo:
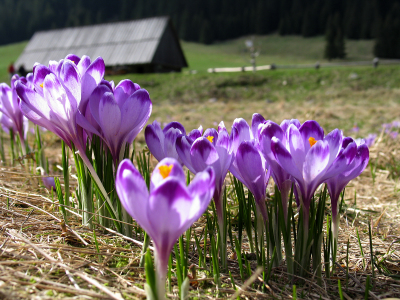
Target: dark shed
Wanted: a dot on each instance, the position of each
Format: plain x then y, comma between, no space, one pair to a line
139,46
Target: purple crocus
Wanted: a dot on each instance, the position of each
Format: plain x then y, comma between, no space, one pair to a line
9,106
116,115
59,93
370,139
162,142
337,183
49,183
311,158
248,165
211,149
168,210
281,177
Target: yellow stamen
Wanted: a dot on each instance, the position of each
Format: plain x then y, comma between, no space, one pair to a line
41,85
312,141
210,138
165,170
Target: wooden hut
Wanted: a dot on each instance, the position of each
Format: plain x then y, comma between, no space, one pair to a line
139,46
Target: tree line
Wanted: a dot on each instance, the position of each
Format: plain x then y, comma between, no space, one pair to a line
207,21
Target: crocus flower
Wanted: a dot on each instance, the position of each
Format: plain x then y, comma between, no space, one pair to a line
49,183
211,149
9,106
337,183
248,165
116,115
369,140
281,177
6,123
60,92
311,158
162,143
169,209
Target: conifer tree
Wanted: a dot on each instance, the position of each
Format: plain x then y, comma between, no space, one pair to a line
330,49
335,44
206,33
339,37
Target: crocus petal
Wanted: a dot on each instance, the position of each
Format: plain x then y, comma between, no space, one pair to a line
52,67
123,90
91,79
211,132
297,146
49,183
223,137
6,103
203,183
342,161
110,117
203,154
334,139
286,123
284,158
183,146
85,124
316,161
38,77
312,129
135,112
175,171
256,121
346,140
33,100
252,169
94,101
170,143
133,194
71,81
74,58
195,133
82,64
175,125
172,199
240,132
61,111
154,138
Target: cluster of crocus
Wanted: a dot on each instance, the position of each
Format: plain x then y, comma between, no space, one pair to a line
72,99
294,154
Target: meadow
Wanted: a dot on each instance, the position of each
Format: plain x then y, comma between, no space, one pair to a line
39,255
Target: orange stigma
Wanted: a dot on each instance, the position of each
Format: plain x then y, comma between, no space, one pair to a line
165,170
210,138
41,85
312,141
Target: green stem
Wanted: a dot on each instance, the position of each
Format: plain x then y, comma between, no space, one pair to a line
97,180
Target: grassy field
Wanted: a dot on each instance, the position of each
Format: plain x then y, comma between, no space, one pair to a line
272,48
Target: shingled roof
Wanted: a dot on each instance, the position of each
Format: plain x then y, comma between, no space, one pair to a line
150,43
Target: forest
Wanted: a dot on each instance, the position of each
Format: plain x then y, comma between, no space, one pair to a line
209,21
